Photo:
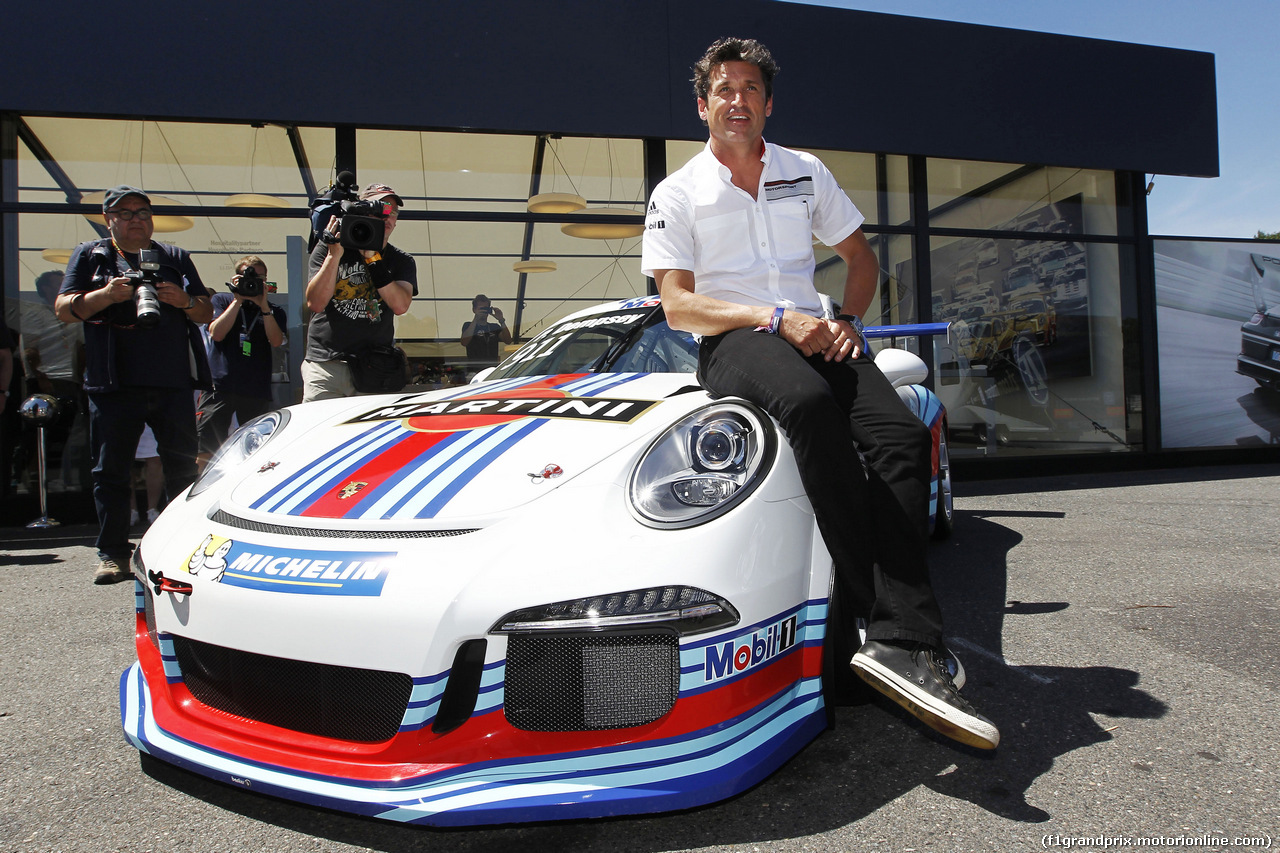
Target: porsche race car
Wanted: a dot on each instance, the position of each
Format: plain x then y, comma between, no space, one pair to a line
581,587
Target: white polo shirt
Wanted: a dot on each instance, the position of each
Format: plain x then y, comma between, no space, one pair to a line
743,250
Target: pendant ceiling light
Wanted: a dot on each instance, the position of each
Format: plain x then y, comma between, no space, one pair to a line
610,226
556,203
251,198
163,222
534,266
255,200
56,256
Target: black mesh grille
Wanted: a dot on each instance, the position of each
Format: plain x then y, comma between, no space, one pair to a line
330,701
221,516
587,682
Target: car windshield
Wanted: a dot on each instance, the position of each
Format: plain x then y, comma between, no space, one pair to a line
617,340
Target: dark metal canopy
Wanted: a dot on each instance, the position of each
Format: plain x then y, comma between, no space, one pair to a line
850,80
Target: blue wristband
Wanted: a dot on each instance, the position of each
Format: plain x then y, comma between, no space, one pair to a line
774,323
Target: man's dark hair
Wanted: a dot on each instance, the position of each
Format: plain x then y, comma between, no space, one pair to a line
734,50
249,261
480,297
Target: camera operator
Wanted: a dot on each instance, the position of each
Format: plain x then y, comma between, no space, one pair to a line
140,302
481,336
246,327
353,293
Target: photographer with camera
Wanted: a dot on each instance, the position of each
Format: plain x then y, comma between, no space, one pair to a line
358,282
140,302
246,327
481,336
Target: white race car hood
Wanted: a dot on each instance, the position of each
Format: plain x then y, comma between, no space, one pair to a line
455,455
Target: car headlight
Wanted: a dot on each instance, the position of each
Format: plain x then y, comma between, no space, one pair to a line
702,466
242,444
685,609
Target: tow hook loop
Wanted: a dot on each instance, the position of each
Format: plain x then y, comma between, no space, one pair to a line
160,584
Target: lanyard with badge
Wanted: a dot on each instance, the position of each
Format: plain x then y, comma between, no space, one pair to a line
246,345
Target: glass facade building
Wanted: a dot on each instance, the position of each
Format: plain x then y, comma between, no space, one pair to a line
1042,270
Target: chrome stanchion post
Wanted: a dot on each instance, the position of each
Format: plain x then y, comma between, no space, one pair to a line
41,410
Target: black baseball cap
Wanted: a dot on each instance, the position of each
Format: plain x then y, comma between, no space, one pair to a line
115,194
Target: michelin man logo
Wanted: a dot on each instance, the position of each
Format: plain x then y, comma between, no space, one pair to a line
210,559
289,570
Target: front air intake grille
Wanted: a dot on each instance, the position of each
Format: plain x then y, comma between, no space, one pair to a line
590,681
339,702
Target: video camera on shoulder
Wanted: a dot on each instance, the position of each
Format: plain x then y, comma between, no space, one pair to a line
361,224
146,300
250,286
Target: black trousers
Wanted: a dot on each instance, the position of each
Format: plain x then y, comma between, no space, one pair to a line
875,524
116,420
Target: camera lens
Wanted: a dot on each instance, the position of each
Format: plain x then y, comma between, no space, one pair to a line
360,232
147,305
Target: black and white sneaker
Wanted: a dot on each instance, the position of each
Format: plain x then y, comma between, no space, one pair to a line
954,668
917,679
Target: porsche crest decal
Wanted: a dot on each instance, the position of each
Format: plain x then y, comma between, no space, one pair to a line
350,489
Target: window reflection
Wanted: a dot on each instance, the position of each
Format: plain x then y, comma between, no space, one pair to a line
1035,360
1010,197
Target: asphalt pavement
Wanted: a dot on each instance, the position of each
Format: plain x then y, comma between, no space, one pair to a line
1120,628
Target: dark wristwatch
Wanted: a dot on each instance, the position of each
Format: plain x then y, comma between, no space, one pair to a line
853,320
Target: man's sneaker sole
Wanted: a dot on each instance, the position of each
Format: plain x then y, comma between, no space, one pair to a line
942,718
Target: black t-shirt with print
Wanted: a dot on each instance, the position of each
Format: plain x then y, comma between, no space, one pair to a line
356,317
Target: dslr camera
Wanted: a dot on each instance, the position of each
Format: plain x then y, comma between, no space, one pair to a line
361,224
146,300
251,284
